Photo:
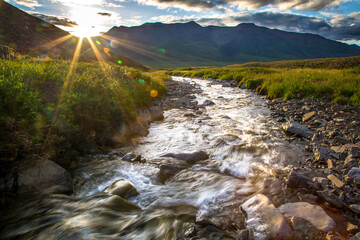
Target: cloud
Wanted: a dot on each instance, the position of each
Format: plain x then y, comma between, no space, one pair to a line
105,14
200,5
59,21
339,27
28,3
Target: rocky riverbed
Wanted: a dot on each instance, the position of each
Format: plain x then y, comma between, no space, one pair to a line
219,163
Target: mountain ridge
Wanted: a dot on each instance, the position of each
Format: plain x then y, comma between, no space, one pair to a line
216,45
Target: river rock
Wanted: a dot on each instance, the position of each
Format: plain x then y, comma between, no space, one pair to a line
308,116
322,154
303,229
131,157
312,213
156,113
120,205
354,174
189,157
355,208
182,102
122,188
331,198
356,237
297,180
43,174
265,219
337,182
296,128
208,103
355,152
168,171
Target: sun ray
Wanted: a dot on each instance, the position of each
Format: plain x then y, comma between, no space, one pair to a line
135,47
50,45
67,84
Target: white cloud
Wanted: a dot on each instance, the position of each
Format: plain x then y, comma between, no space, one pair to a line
28,3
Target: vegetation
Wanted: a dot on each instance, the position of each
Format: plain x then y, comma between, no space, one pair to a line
332,84
322,63
46,103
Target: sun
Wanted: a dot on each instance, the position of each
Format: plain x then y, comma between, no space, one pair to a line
88,21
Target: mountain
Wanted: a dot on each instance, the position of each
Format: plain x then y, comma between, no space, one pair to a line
189,44
29,35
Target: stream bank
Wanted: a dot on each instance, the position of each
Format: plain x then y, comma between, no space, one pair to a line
219,166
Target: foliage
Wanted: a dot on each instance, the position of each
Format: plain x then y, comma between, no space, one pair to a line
36,96
338,85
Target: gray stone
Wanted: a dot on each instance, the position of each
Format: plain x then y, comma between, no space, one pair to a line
131,157
323,182
312,213
355,208
168,171
341,140
265,220
297,180
189,157
43,174
122,188
156,113
331,198
322,154
355,152
308,116
208,103
303,229
297,129
353,174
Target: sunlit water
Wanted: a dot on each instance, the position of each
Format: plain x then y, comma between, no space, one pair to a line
244,144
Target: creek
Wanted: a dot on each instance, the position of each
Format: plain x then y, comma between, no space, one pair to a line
245,144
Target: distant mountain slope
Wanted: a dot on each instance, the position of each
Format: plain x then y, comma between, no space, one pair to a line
32,36
321,63
189,44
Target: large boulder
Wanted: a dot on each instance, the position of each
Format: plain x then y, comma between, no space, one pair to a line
265,219
296,128
41,175
189,157
122,188
312,213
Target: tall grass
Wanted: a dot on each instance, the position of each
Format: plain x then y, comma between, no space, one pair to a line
338,85
36,96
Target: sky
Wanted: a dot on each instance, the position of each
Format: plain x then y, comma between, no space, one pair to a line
334,19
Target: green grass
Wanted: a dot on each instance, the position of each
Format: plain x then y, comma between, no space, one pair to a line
42,97
338,85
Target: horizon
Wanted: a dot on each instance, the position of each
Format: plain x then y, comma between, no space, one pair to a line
335,20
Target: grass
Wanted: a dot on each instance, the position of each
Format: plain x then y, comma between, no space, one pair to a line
41,103
338,85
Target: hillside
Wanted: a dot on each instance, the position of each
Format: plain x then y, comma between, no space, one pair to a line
29,35
322,63
189,44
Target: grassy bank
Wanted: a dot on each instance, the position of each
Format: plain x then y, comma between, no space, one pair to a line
45,104
338,85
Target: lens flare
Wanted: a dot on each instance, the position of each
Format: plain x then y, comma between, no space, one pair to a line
114,43
153,93
106,50
119,62
98,43
141,81
162,50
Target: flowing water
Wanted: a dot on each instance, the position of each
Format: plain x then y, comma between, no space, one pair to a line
245,146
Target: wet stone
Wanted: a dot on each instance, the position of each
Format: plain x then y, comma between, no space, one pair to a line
296,128
312,213
323,153
122,188
297,180
303,229
265,220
